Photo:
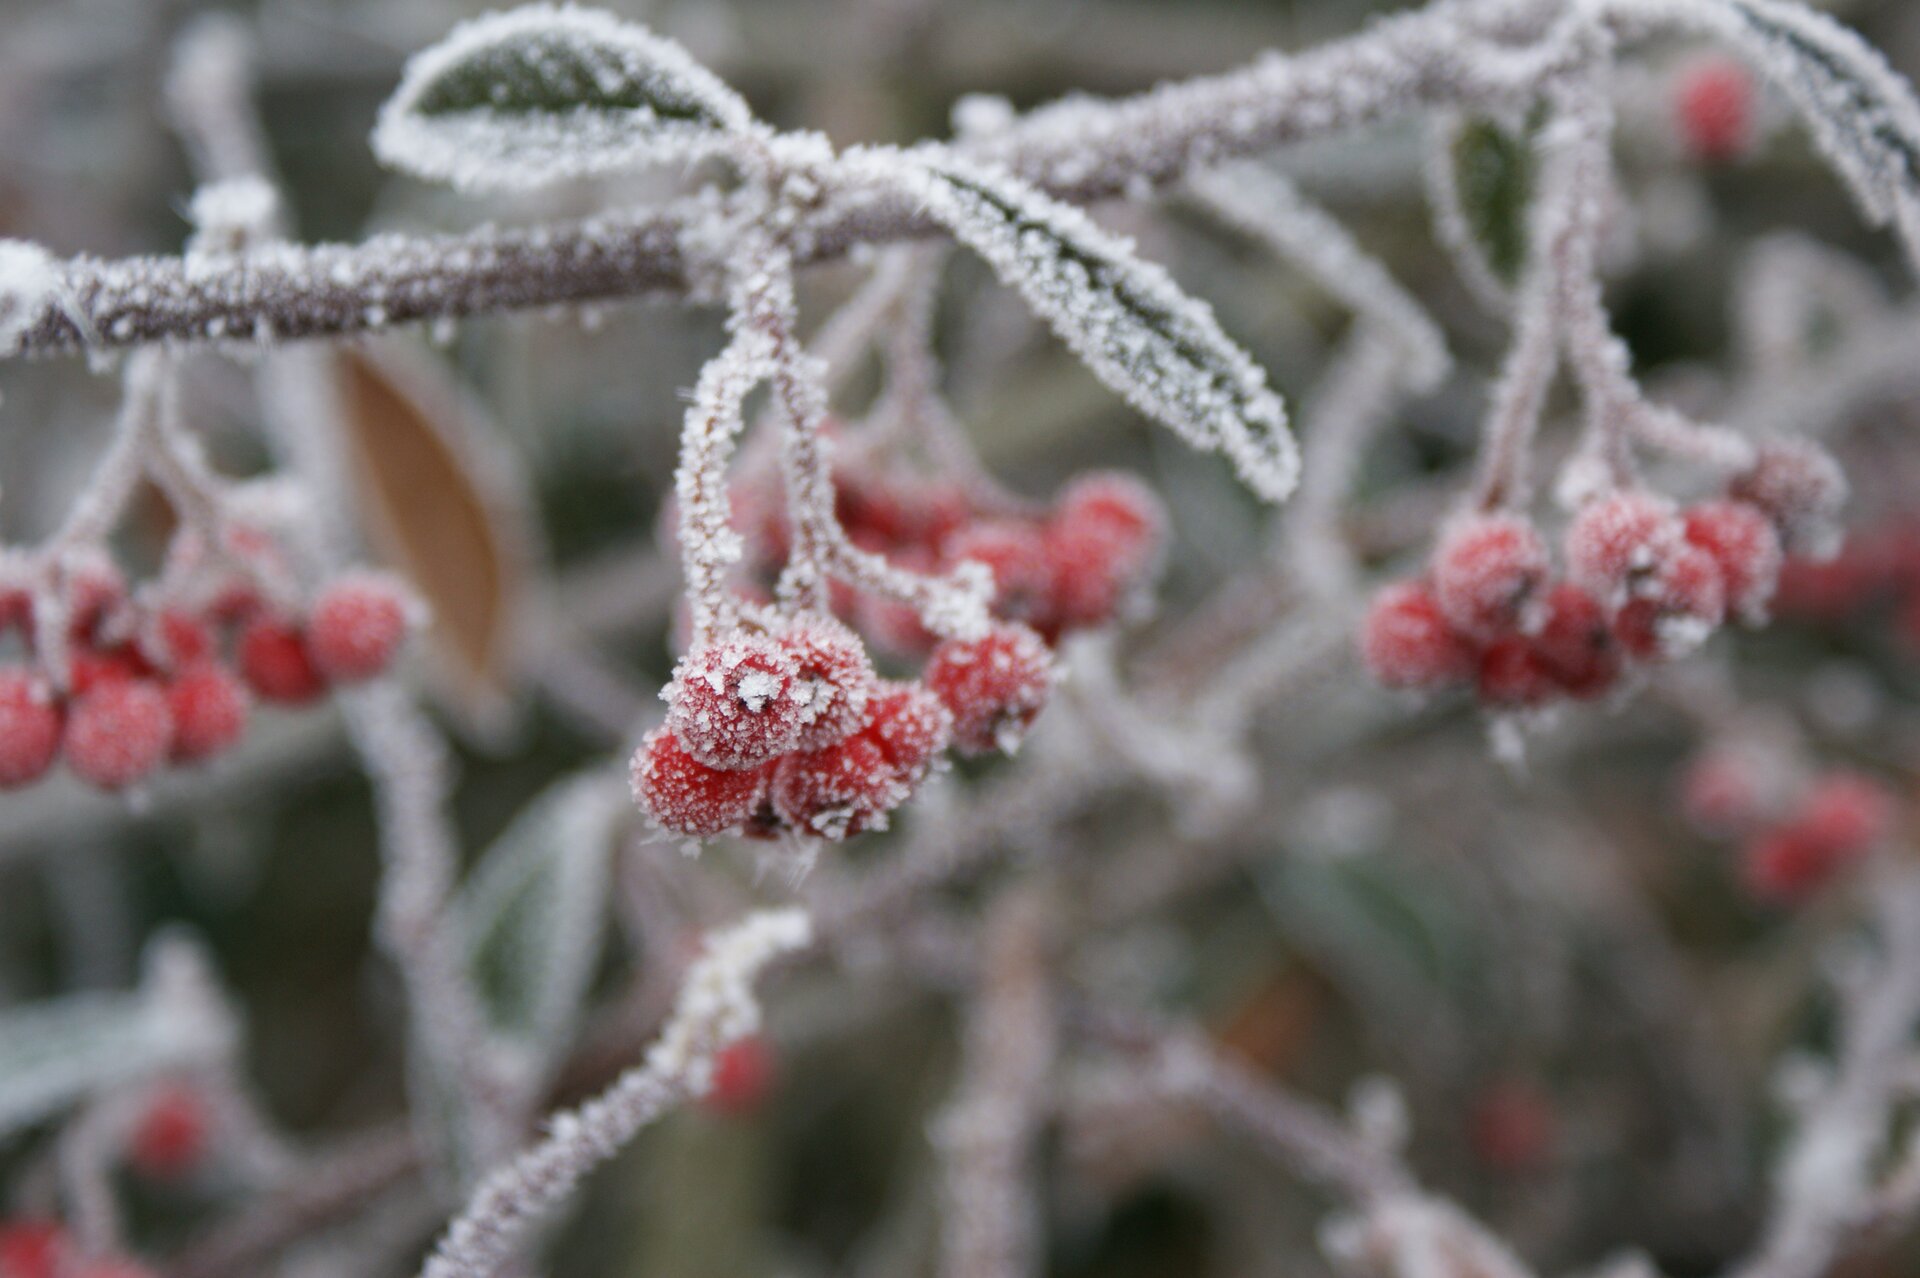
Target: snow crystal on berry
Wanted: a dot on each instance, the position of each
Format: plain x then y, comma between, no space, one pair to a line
684,796
994,685
118,733
29,728
1486,570
733,704
833,679
1407,642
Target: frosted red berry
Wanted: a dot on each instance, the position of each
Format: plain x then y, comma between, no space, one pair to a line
994,685
1845,813
277,664
209,709
180,639
685,796
171,1136
832,679
1576,643
1782,865
1714,108
840,791
1486,570
1745,545
1406,642
118,733
732,702
30,726
1679,610
1618,543
1801,489
1015,552
1513,675
911,726
743,1075
355,627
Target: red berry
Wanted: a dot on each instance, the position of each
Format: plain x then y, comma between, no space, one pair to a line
209,708
1016,553
1846,814
1511,1126
684,796
1619,543
1714,106
994,685
733,704
178,639
1682,606
840,791
743,1075
1576,643
1744,544
88,667
911,726
1486,570
29,728
1127,509
1514,675
171,1135
1801,489
31,1249
1782,865
277,664
1100,545
833,679
355,627
1407,643
118,733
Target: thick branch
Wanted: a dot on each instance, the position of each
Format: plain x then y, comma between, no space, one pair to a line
1081,151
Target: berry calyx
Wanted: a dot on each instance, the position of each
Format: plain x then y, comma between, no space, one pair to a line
732,702
687,797
30,726
1486,570
118,733
994,685
355,627
1407,642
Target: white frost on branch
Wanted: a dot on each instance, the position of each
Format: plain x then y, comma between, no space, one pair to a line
31,285
716,1006
1124,317
545,93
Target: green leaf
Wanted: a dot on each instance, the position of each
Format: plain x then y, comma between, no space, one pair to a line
543,94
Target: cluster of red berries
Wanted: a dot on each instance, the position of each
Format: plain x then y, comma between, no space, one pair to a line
42,1249
1072,567
1645,581
791,729
150,684
1791,843
1714,101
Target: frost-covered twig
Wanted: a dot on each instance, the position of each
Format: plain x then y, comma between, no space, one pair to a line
716,1006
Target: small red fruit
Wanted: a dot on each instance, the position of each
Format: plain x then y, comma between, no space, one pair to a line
171,1136
732,703
209,708
1486,570
29,728
1801,489
1714,107
743,1075
1682,607
840,791
355,627
118,733
1743,542
833,679
1513,674
684,796
1407,642
994,685
911,726
1618,544
277,664
1846,813
31,1249
1576,643
1017,555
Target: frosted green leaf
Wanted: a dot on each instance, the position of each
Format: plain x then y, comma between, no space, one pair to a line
546,93
1124,317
